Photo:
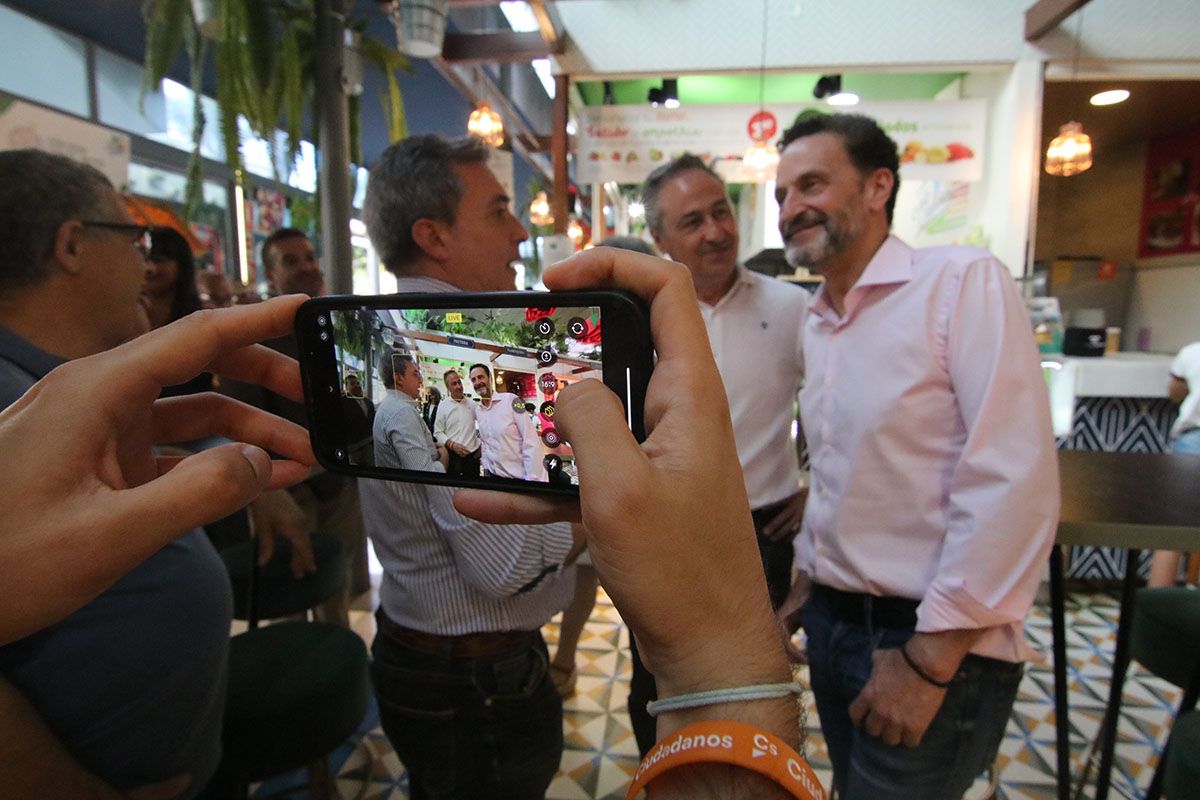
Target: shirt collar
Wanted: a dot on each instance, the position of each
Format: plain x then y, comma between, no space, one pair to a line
892,263
742,278
423,283
34,360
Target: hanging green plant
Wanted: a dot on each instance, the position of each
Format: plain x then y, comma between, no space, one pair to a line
264,59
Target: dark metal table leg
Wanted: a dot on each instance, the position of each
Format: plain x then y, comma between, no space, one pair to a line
1112,712
1058,611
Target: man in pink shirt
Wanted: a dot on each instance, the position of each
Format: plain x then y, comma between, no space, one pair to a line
934,486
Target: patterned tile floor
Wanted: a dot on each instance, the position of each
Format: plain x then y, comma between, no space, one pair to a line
601,752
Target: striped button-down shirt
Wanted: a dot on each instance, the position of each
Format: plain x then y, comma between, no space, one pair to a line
445,573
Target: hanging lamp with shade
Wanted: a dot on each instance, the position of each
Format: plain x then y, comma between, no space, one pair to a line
1070,153
761,158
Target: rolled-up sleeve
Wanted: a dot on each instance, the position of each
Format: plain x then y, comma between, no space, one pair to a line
1003,495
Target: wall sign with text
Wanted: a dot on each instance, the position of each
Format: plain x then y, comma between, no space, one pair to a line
937,139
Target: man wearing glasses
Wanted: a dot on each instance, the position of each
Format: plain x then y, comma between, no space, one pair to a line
126,692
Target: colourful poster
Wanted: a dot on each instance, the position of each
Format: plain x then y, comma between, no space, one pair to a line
1171,196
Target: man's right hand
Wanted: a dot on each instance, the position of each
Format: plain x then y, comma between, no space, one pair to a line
277,514
668,522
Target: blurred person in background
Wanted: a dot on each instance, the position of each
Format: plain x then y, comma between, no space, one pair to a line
1184,391
171,292
430,405
325,502
215,289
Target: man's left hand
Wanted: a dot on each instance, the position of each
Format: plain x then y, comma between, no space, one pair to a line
896,705
786,523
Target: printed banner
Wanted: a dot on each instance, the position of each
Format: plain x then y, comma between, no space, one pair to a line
938,140
27,125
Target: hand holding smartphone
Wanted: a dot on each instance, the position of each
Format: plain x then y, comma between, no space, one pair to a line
497,361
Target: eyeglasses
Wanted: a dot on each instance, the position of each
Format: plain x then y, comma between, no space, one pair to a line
140,233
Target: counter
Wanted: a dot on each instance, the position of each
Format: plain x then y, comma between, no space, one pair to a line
1114,404
1140,376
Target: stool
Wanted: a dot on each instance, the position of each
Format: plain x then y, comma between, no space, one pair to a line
1166,641
1183,773
296,691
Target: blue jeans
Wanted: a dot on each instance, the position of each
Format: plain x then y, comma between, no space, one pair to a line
1187,442
959,744
470,727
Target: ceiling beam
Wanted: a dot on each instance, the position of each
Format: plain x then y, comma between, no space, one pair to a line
546,25
1045,15
495,47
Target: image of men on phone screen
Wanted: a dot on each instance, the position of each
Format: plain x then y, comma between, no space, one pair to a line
511,448
401,438
455,428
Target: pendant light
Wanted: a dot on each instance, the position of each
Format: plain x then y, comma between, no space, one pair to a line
539,211
761,158
1070,153
487,125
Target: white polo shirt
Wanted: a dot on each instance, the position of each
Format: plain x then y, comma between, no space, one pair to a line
1186,367
755,331
456,423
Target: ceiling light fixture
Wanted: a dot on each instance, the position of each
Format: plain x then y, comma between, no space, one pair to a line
665,95
1070,153
762,158
487,125
1110,97
827,86
539,211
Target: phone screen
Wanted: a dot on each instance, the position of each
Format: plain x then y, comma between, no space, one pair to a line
492,376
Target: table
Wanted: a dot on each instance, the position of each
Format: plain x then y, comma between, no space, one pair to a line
1134,501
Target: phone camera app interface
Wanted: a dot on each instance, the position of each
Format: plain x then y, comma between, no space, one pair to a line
474,390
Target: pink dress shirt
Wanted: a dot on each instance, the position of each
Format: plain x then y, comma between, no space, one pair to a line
934,475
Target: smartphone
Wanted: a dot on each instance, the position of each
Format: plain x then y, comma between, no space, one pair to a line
377,368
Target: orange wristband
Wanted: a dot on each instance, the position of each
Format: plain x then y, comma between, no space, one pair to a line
731,743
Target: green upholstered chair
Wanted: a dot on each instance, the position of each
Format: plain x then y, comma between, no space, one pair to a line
1183,771
297,690
1166,641
271,591
277,592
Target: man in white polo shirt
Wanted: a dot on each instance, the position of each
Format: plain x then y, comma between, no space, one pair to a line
455,428
754,324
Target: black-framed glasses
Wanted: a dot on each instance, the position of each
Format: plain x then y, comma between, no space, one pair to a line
140,233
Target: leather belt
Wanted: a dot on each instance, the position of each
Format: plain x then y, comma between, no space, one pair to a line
863,609
467,645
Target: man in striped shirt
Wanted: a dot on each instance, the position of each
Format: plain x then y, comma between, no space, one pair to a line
460,667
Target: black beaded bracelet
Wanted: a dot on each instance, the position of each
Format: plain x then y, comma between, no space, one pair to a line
922,674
